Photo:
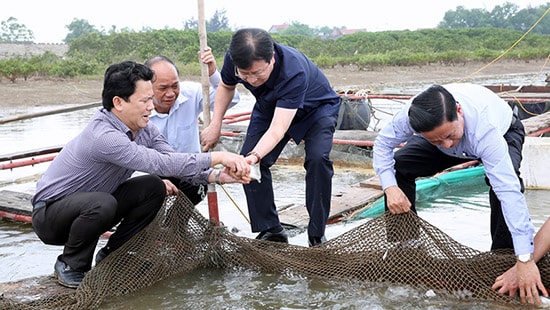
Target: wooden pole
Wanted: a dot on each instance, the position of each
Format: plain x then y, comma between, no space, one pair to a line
49,112
211,194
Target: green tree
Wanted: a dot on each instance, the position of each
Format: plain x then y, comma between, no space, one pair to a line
191,24
297,28
526,18
463,18
501,14
13,32
218,22
505,16
326,32
77,28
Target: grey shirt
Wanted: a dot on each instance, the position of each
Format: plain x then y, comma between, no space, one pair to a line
103,156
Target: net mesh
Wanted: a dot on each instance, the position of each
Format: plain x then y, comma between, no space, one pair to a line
397,249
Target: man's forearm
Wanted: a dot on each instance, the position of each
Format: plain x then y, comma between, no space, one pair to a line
224,96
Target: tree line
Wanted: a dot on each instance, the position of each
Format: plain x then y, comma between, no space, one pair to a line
90,52
506,16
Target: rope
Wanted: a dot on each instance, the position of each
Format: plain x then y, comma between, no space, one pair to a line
235,203
520,104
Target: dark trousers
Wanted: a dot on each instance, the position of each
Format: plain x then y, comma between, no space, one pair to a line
419,158
319,172
78,220
195,193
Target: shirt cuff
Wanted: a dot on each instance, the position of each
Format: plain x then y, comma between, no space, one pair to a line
523,244
387,179
204,160
215,79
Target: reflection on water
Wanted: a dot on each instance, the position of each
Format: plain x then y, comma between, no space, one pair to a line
41,132
218,289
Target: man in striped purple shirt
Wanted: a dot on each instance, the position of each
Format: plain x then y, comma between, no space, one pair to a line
88,188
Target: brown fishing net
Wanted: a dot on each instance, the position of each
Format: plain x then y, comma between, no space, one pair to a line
396,249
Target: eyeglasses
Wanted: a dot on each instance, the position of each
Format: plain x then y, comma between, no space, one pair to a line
254,76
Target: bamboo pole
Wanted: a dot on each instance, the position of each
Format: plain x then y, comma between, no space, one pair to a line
211,194
49,112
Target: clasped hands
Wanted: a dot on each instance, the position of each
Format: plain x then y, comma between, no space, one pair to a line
236,169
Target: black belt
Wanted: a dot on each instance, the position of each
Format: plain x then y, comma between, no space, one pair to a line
38,205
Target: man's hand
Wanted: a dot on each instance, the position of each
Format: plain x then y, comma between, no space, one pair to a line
171,189
396,200
524,277
208,58
507,282
210,135
528,281
235,165
227,177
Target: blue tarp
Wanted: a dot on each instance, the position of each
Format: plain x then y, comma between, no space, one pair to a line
430,187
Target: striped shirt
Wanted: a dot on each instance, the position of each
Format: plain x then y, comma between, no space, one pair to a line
103,156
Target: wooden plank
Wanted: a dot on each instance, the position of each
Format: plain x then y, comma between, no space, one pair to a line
536,123
354,198
343,202
32,289
15,202
539,90
373,182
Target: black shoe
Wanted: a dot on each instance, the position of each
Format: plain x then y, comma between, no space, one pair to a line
313,241
101,254
66,276
280,236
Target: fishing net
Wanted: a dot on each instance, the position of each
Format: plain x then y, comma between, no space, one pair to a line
396,249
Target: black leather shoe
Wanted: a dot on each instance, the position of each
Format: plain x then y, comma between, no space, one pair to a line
101,254
275,237
66,276
313,241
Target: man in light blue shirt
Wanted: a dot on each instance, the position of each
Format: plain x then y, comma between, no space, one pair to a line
447,125
177,108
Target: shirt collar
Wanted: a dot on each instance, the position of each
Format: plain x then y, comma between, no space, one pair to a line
117,123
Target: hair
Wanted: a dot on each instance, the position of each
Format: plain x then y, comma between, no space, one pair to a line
248,45
160,58
120,80
431,108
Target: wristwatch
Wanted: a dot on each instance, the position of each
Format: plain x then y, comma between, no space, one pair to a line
524,258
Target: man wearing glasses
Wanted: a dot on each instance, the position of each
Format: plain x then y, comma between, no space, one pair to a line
294,100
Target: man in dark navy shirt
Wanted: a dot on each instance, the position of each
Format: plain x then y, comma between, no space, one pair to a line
294,100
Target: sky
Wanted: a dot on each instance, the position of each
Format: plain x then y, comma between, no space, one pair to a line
48,19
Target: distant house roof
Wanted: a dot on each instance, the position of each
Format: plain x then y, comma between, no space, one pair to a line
276,28
342,32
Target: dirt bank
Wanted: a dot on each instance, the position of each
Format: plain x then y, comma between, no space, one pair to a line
40,91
